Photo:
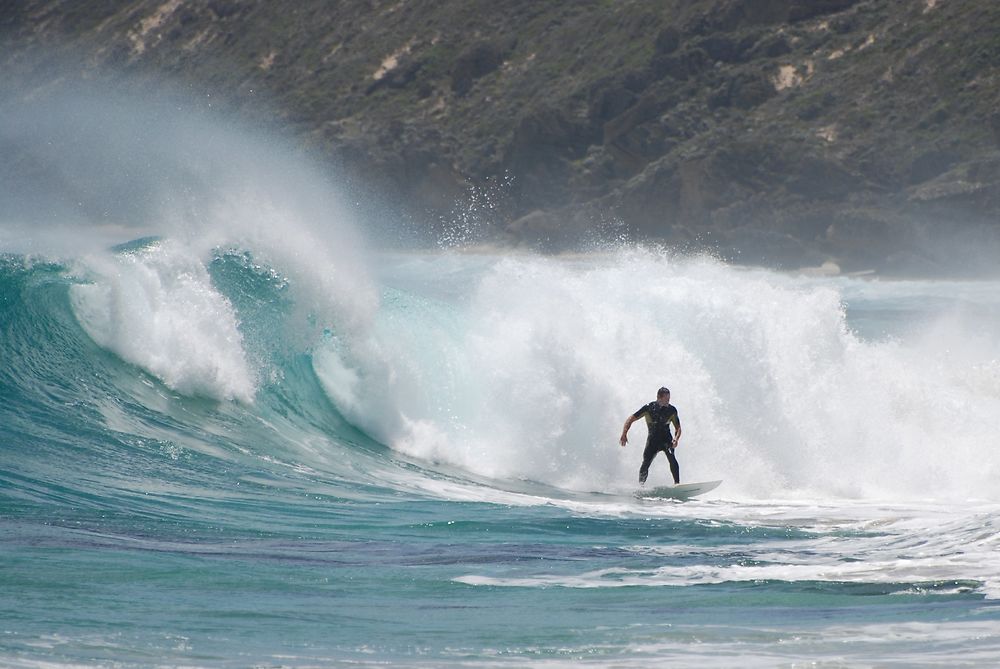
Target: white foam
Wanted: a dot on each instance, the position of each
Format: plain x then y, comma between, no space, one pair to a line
157,308
529,366
947,550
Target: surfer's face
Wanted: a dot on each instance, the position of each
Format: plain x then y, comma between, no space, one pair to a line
663,400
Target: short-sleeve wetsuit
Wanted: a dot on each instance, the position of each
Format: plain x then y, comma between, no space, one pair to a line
658,420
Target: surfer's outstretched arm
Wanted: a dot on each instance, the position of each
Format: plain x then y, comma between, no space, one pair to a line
628,424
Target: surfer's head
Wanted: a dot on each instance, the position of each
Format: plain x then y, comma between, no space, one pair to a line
663,394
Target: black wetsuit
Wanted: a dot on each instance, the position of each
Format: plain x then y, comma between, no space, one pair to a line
658,420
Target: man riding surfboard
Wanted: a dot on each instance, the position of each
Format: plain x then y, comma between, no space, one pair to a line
659,416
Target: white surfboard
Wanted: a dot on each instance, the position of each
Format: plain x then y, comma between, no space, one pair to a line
681,491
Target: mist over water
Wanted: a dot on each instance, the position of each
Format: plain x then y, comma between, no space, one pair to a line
512,368
89,171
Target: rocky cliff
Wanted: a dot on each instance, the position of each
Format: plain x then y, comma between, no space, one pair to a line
790,132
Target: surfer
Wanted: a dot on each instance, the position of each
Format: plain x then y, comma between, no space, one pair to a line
659,415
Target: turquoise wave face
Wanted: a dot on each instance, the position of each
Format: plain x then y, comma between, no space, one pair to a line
503,373
86,432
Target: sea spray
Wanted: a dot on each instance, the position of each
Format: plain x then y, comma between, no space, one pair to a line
110,169
509,368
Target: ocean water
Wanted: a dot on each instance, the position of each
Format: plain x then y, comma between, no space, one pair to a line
195,472
233,433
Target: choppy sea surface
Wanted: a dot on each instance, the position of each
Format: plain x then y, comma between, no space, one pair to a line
233,435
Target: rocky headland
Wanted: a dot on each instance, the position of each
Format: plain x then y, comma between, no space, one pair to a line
864,134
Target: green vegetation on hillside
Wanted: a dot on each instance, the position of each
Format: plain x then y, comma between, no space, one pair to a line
781,131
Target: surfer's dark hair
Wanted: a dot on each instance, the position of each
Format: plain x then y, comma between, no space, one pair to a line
663,391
